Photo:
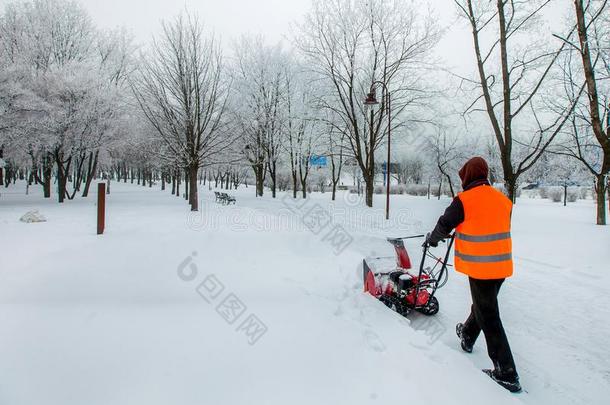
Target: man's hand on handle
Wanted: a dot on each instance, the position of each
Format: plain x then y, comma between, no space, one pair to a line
430,241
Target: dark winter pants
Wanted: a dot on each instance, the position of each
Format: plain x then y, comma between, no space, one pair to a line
485,316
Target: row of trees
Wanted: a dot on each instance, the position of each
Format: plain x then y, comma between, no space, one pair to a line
61,86
78,102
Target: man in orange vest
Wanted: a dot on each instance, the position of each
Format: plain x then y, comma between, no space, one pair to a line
481,216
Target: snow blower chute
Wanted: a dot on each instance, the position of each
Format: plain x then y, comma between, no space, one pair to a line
390,280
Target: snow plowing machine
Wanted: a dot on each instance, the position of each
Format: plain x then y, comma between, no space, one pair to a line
393,282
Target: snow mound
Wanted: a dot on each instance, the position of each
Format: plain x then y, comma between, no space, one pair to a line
33,216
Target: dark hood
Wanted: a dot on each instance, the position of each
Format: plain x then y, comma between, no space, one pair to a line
475,169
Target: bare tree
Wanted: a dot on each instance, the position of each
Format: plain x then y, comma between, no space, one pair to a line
302,125
515,90
260,88
182,92
446,151
588,60
349,46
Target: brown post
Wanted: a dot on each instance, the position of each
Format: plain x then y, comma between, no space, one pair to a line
101,207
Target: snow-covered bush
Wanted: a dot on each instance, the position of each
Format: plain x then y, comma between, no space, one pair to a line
543,192
416,189
584,193
445,191
394,189
555,194
398,189
573,194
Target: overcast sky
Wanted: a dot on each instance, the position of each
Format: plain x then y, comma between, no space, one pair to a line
228,17
232,18
272,18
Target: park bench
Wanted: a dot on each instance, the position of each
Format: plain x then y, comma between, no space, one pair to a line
228,199
224,198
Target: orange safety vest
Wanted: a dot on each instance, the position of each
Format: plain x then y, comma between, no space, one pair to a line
483,247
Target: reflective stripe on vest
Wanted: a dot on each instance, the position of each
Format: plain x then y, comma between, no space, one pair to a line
483,238
485,259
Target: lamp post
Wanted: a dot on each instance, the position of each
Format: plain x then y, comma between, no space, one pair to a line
371,100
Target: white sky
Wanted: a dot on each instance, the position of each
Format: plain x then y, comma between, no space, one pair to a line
272,18
232,18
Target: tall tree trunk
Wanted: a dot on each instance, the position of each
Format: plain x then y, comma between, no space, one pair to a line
187,180
294,183
608,186
303,174
92,168
47,172
440,187
304,187
273,175
334,193
600,192
193,187
369,186
510,184
62,174
448,177
1,169
259,174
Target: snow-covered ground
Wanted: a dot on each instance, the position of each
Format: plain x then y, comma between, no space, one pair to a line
141,314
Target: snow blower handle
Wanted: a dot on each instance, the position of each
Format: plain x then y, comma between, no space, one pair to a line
412,237
427,244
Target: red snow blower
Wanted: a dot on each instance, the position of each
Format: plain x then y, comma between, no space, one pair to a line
390,280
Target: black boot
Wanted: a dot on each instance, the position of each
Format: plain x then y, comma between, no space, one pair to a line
508,380
465,343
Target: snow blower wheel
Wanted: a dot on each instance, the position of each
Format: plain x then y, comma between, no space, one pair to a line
390,280
431,307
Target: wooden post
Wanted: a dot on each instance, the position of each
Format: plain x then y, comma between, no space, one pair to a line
101,207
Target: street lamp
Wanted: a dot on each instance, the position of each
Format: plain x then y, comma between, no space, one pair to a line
371,100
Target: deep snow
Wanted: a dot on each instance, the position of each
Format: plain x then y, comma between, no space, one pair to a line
111,320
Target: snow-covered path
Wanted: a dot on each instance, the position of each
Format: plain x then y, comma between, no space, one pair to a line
123,318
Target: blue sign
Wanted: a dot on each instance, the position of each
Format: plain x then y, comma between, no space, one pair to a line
317,160
394,167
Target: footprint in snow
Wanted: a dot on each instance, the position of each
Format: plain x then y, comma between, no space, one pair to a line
374,341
